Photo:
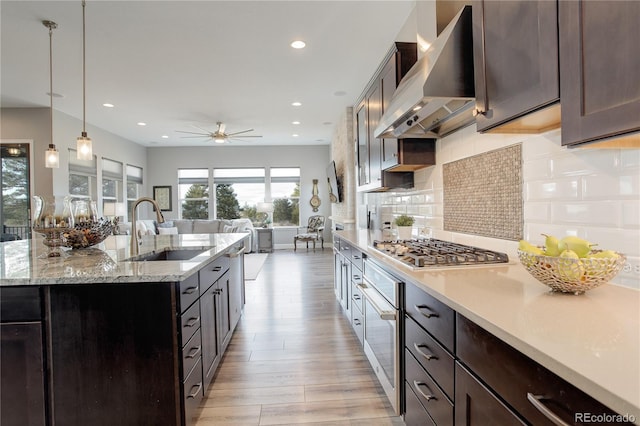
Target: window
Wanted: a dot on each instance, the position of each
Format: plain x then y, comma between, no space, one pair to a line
238,192
111,181
193,193
82,177
285,193
134,184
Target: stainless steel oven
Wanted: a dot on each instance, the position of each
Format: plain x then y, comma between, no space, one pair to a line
381,300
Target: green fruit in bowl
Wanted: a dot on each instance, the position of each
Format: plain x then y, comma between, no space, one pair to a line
526,246
551,246
569,266
577,245
604,254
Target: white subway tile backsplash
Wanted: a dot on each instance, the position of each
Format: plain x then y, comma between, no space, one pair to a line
561,189
594,194
594,213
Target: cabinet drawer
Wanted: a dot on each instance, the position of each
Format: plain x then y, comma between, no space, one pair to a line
345,249
356,258
431,356
189,292
356,296
20,304
357,322
514,376
427,391
434,316
190,322
415,414
356,274
210,273
191,353
192,393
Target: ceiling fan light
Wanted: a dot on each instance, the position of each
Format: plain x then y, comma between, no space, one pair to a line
52,157
218,139
84,148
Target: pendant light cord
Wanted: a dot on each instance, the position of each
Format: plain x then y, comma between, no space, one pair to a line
84,84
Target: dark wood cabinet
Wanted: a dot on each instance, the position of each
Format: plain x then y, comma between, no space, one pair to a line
22,389
599,68
22,364
513,379
478,406
211,351
515,46
378,157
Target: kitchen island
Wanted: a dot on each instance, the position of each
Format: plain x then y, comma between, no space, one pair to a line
105,336
591,341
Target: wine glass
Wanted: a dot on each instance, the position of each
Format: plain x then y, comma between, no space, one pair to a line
52,218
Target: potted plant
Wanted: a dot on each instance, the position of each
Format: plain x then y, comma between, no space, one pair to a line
404,224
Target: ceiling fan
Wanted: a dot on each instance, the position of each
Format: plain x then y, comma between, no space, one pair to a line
219,135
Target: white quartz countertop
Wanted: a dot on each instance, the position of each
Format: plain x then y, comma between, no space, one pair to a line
23,262
591,340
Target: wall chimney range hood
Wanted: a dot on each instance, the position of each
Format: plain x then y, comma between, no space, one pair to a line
436,97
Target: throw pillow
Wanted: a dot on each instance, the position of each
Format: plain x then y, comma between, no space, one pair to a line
229,229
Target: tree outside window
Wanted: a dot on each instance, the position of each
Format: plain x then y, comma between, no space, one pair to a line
196,203
227,205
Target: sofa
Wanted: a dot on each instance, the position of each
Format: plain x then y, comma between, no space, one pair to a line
194,226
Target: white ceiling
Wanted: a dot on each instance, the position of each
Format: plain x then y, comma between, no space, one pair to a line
176,64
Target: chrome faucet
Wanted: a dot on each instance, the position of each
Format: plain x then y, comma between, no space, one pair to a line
134,232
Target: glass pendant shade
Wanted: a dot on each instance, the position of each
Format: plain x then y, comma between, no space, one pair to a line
52,157
84,148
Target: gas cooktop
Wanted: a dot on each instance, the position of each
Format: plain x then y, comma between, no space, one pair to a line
430,252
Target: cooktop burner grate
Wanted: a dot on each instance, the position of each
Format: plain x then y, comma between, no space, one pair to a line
431,252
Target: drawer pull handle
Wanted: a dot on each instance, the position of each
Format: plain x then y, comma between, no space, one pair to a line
190,290
194,393
417,384
429,357
356,321
192,322
194,352
356,297
536,401
429,314
356,277
216,269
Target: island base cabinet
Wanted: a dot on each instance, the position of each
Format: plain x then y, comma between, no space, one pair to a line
22,400
477,406
114,355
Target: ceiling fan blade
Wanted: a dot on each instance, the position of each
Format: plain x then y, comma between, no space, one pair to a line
237,133
194,133
195,137
204,130
244,136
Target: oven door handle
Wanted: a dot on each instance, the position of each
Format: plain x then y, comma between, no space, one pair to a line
370,295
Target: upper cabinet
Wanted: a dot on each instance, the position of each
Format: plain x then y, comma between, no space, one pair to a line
515,52
599,71
542,64
387,163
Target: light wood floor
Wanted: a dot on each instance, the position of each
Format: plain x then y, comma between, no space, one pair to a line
293,358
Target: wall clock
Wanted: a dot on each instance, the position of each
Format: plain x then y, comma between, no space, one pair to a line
315,200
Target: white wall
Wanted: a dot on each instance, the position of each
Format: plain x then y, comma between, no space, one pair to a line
34,123
312,160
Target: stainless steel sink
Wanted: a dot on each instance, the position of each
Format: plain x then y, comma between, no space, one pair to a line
167,254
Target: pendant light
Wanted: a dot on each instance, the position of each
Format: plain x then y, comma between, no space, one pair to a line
52,156
84,148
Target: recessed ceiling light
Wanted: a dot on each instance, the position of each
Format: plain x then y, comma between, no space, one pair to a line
108,105
340,93
55,95
142,124
295,135
296,104
326,123
165,137
298,44
295,122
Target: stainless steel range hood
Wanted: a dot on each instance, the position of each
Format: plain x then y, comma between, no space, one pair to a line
436,97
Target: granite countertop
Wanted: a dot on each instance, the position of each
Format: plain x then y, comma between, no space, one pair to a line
22,262
591,340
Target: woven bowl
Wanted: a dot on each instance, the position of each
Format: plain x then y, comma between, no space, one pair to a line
88,234
571,275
